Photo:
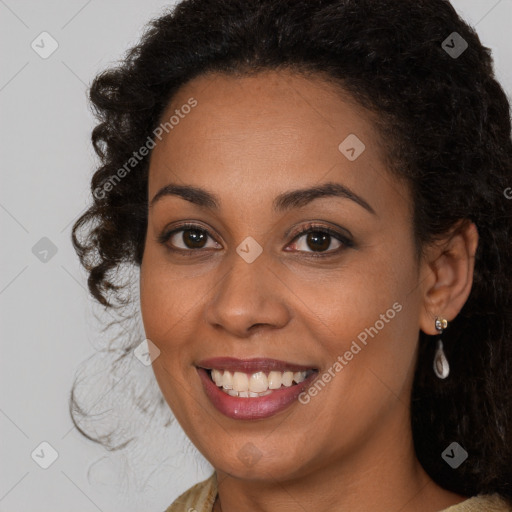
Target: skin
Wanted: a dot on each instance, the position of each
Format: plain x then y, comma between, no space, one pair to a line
248,140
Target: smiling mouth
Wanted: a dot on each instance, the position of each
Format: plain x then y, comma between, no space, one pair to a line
253,389
257,384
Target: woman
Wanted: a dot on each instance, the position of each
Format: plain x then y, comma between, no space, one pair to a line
316,195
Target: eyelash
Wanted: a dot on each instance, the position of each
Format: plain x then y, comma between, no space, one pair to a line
305,230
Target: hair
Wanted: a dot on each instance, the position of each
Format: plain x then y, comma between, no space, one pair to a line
446,123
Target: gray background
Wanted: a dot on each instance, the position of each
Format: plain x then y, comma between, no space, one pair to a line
48,325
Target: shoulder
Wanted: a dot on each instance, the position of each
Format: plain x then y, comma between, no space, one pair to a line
199,498
481,503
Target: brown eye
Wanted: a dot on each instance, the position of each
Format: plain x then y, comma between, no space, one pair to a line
193,238
187,238
317,240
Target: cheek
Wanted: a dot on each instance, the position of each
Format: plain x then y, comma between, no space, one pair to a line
166,307
366,311
163,299
352,295
169,292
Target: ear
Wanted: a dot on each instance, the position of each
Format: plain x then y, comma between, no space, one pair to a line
446,274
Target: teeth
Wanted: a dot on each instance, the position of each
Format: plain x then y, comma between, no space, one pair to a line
274,380
217,377
299,376
240,382
258,384
287,379
227,380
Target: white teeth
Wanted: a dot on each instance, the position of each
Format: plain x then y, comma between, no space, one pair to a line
299,376
227,380
287,379
240,382
258,384
217,377
274,380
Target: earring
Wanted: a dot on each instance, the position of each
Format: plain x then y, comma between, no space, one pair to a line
441,366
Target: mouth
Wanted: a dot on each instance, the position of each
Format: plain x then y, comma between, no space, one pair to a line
255,388
245,385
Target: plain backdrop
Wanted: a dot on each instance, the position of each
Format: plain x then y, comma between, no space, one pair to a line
47,323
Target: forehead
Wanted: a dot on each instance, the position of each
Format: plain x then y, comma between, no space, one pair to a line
265,133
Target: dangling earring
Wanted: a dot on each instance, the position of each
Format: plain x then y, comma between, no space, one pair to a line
441,366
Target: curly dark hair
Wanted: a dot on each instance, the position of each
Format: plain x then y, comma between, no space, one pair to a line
446,122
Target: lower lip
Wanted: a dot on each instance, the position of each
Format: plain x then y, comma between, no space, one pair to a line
252,408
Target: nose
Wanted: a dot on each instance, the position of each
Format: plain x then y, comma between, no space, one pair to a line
249,297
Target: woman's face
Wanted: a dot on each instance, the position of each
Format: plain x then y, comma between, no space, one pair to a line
244,286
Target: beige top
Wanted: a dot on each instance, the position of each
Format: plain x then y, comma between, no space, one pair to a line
200,498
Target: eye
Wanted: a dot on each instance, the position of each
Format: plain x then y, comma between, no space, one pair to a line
187,237
319,239
191,238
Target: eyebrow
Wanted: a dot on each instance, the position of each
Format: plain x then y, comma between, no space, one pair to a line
283,202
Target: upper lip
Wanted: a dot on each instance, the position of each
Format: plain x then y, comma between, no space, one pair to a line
257,364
